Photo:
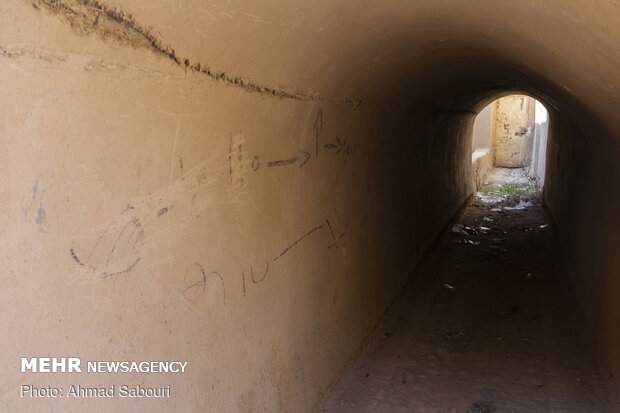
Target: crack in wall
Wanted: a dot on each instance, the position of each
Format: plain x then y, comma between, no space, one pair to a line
92,17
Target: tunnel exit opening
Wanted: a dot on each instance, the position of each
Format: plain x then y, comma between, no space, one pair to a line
511,132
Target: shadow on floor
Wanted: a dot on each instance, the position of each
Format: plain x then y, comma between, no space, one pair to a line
490,324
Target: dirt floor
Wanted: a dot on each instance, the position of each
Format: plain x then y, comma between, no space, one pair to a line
489,325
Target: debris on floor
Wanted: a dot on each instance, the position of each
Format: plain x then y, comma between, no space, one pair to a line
488,347
459,229
521,205
463,230
448,287
466,241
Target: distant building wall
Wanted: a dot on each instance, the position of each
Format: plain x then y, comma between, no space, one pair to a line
537,166
514,130
482,129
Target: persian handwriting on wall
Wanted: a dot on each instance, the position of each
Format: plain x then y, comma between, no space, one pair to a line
114,252
341,147
318,128
196,278
237,159
337,232
117,250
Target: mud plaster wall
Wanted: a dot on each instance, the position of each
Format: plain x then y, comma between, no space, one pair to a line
155,211
483,146
582,164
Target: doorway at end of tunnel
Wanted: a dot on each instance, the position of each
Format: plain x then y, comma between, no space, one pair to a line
511,132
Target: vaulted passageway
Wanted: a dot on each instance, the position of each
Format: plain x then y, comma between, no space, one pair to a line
248,185
490,324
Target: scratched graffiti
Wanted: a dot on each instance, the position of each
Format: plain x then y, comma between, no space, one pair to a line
333,225
337,228
296,242
239,162
196,280
118,249
343,148
299,160
114,252
318,128
235,160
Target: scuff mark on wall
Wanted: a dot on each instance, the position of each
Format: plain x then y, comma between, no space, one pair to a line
162,211
92,17
35,188
32,206
38,54
88,17
40,219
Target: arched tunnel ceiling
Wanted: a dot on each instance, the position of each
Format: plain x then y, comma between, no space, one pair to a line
447,54
368,50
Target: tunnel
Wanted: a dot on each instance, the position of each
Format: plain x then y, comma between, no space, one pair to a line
247,186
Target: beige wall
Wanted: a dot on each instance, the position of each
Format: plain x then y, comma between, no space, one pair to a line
585,211
514,124
483,145
147,217
482,129
141,217
539,153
